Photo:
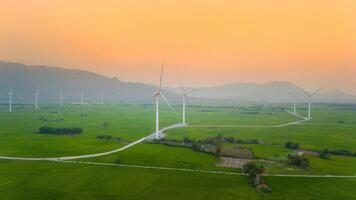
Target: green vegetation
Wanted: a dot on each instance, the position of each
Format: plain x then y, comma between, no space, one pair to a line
291,145
59,131
332,133
299,161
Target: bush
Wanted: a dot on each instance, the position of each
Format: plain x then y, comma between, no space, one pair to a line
105,137
218,149
299,161
252,169
342,152
291,145
187,140
196,146
59,131
325,154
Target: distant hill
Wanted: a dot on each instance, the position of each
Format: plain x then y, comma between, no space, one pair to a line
281,91
49,81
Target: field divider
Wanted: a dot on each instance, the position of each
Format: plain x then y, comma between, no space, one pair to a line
203,171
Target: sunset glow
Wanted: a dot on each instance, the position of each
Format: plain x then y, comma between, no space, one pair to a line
210,42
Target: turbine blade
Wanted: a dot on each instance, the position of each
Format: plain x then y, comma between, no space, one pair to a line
181,86
192,91
316,92
160,80
166,101
307,93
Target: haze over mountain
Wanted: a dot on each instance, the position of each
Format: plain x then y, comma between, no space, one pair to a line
49,81
281,91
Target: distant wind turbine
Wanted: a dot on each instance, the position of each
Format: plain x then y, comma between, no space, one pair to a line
10,100
184,96
36,99
295,103
97,98
61,99
158,94
82,99
310,96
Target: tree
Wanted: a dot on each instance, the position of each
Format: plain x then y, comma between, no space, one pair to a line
325,154
186,140
252,171
291,145
299,161
105,125
218,148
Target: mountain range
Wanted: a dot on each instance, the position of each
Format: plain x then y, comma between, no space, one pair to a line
25,80
273,92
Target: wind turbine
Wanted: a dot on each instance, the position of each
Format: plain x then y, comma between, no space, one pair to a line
97,98
184,96
82,99
158,94
61,99
295,103
36,100
10,100
310,95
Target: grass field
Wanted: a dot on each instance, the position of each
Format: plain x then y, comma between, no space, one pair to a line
163,156
332,127
49,180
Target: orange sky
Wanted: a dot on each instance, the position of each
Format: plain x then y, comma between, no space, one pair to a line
204,42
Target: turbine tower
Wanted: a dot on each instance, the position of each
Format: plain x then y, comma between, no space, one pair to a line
184,96
61,99
102,98
82,99
158,94
10,101
295,103
97,98
310,95
36,100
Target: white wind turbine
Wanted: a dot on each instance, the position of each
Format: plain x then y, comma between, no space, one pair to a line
36,99
97,98
184,98
61,99
158,94
10,100
310,95
82,99
295,103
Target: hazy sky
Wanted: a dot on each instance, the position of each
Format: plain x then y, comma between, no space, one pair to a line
205,42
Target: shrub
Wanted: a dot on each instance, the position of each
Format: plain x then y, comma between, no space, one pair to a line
218,149
105,137
252,169
299,161
342,152
291,145
60,131
187,140
325,154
